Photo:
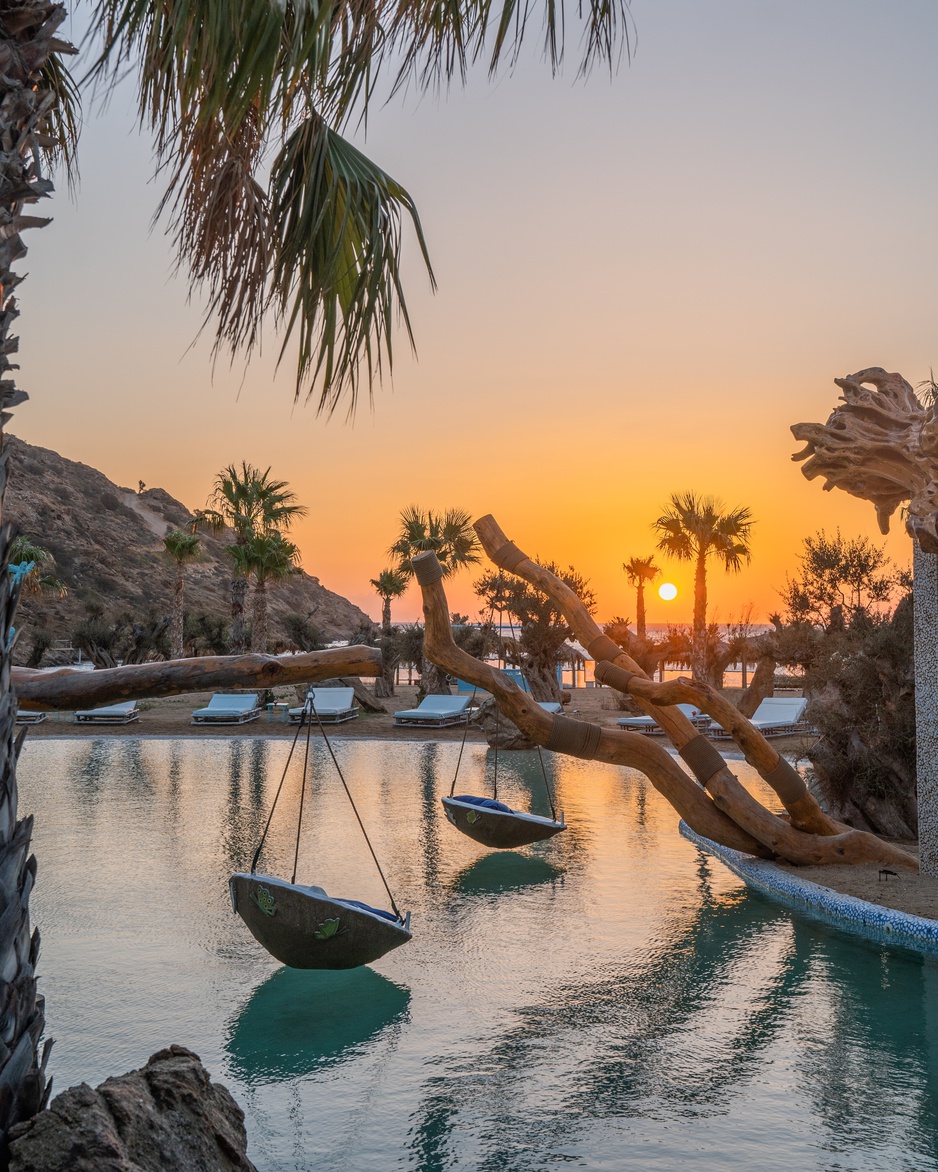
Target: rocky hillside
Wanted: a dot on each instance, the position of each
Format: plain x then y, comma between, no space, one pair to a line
107,543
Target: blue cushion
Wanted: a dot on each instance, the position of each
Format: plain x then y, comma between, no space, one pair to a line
486,803
368,908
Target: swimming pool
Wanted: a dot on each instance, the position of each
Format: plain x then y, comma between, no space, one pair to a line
609,999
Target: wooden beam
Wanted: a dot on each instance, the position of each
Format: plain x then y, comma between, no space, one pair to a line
67,689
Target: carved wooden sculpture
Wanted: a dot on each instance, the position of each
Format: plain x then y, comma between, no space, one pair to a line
716,805
881,444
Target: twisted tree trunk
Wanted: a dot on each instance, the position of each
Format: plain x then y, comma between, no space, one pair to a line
809,837
27,43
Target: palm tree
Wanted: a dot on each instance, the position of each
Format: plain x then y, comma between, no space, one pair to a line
252,504
451,537
695,528
182,547
273,212
267,557
38,578
388,585
639,572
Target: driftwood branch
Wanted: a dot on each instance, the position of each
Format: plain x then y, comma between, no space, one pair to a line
66,689
616,747
810,837
880,444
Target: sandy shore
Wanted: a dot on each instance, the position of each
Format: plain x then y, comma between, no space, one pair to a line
171,717
909,892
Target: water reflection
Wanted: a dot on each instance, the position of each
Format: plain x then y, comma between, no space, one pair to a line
504,871
610,998
298,1021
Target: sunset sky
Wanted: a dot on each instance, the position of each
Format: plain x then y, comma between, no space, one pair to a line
643,282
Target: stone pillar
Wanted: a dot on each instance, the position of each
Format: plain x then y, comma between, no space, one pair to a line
925,572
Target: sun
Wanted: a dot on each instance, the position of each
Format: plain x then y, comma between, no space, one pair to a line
667,591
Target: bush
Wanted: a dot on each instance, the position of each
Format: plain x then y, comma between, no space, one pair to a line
862,702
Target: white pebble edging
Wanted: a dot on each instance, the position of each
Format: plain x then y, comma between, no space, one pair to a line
882,924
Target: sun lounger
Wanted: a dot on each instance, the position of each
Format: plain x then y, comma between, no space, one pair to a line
225,708
551,706
648,724
774,717
24,716
437,712
109,714
329,705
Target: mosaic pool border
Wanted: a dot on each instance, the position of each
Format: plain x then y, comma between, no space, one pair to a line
881,924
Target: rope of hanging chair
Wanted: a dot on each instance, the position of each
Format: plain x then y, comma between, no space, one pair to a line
348,794
283,777
465,731
299,820
540,755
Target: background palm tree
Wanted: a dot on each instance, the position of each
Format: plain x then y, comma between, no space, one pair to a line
267,557
252,504
40,580
183,548
639,572
451,537
695,528
389,584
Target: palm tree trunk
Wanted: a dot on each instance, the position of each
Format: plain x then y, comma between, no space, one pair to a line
640,609
386,616
179,609
699,643
259,628
239,589
27,42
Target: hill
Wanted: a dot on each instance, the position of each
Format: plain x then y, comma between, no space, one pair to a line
107,544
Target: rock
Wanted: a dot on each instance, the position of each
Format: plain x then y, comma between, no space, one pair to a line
167,1117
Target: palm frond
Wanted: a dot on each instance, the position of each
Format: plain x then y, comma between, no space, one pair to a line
62,124
336,260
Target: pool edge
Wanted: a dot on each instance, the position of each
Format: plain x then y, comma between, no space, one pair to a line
880,924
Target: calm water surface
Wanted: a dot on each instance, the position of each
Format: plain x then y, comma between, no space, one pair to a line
611,999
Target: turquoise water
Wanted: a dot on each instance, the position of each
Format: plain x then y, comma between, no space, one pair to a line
612,999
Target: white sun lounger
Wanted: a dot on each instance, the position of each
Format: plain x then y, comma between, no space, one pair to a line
774,717
551,706
648,724
329,705
437,712
25,716
109,714
225,708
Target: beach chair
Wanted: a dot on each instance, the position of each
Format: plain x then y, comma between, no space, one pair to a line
436,712
228,708
110,714
649,726
332,706
551,706
775,716
24,716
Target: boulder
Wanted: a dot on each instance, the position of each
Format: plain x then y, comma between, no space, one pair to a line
167,1117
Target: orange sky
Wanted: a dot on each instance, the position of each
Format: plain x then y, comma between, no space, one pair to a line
643,282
